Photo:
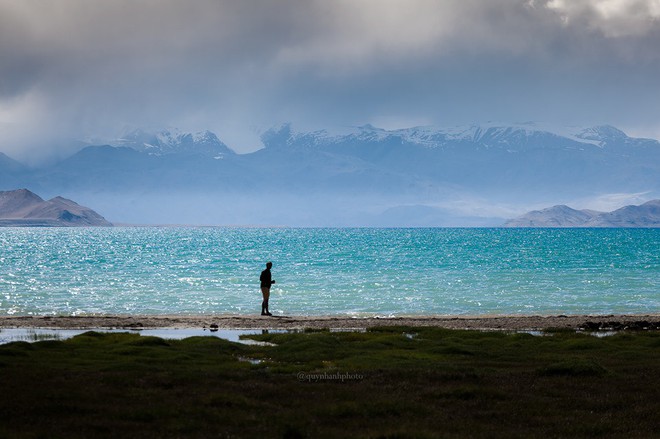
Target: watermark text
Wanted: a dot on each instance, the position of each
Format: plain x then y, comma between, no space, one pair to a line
315,377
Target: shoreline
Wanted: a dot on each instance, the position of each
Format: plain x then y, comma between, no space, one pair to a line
253,321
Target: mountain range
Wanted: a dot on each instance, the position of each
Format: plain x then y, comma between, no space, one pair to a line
359,176
23,208
645,215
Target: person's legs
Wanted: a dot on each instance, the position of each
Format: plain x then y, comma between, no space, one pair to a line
265,292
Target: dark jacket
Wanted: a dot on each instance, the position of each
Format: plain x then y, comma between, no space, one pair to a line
265,279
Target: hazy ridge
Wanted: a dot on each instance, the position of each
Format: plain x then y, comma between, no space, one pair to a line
360,176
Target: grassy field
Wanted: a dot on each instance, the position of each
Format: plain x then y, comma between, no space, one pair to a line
390,382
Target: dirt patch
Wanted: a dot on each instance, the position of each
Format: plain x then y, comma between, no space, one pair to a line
225,321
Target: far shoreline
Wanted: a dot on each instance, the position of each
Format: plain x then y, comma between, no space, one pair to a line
254,321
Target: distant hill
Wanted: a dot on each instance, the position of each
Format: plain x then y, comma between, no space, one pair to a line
23,208
645,215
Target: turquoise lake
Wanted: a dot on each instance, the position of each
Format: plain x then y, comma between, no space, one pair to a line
354,272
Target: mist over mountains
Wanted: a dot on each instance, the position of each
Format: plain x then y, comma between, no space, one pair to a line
362,176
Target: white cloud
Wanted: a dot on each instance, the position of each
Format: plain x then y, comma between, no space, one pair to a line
610,202
613,18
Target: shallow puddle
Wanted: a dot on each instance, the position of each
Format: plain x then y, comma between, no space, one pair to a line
8,335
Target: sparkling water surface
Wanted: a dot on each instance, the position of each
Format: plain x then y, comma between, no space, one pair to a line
355,272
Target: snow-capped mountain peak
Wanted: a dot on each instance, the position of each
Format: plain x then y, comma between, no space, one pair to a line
602,134
174,141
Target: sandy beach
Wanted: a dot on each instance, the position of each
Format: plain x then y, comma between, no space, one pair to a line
224,321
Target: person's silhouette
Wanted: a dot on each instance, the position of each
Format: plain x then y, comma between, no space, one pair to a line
266,282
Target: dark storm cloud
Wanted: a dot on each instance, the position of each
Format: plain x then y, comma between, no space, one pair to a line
81,68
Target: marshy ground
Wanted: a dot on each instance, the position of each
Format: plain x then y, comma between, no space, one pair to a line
387,382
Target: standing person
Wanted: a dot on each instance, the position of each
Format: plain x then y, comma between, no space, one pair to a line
266,282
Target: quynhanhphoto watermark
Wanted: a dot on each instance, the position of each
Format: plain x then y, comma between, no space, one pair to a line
315,377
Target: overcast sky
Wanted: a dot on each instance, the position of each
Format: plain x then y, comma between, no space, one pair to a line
85,68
